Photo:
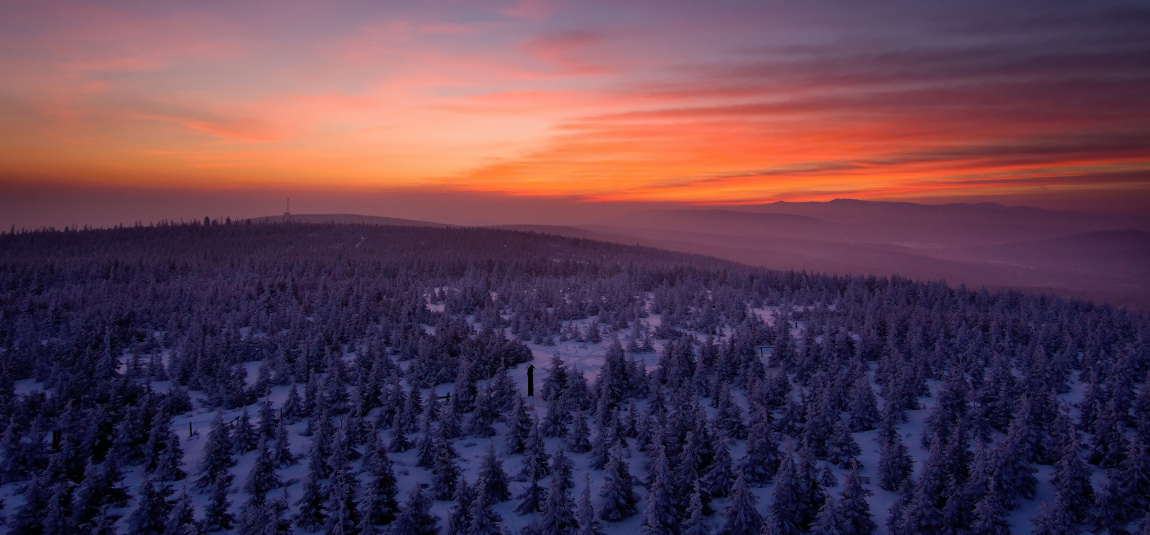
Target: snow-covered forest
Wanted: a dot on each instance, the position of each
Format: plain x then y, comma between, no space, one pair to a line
353,379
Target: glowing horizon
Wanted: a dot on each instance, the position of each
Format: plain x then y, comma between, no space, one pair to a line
722,103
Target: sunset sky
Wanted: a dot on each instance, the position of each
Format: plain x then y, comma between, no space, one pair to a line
131,108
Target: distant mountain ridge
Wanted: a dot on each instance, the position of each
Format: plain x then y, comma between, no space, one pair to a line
984,244
350,219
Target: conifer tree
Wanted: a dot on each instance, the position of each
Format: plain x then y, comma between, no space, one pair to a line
398,443
415,518
531,499
1074,494
742,516
484,519
720,476
864,413
827,522
557,516
796,497
492,483
894,464
217,454
151,512
379,499
262,477
459,519
519,426
444,473
696,523
342,489
310,515
853,511
245,434
268,420
661,516
618,491
579,439
534,457
761,462
266,519
169,466
181,519
281,446
585,513
990,516
216,514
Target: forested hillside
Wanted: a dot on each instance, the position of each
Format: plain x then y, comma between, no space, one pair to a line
336,378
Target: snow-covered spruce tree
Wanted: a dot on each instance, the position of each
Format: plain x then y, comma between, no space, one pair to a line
459,516
244,437
492,482
290,411
1011,472
761,462
169,466
425,448
444,472
720,476
585,512
797,496
480,423
864,413
399,442
853,509
557,516
611,385
895,464
217,517
1108,449
1112,510
696,523
310,514
266,519
990,516
342,489
562,468
1134,471
484,519
601,446
925,511
379,500
618,490
661,516
696,456
579,439
267,419
729,417
519,426
827,521
1074,494
555,421
262,477
741,516
531,499
151,512
217,454
415,518
555,381
534,457
181,518
281,446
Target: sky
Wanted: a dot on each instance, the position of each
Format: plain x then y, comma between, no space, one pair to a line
555,111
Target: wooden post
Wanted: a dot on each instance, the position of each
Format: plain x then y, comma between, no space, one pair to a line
530,380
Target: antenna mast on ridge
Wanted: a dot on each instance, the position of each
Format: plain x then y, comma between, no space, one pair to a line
287,212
